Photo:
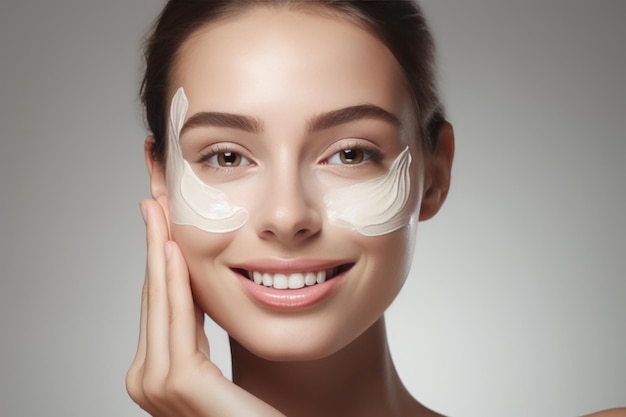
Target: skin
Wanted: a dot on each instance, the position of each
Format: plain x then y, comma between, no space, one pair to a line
281,67
244,66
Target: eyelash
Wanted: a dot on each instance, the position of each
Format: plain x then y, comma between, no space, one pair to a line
371,155
218,149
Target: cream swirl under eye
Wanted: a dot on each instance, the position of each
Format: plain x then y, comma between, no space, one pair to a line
193,202
375,207
372,208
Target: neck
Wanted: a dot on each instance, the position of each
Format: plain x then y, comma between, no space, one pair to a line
360,379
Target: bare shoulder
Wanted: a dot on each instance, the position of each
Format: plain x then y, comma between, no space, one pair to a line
613,412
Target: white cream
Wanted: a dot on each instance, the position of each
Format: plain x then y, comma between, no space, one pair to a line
375,207
193,202
372,208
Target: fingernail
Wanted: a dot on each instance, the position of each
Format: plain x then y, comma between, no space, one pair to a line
167,248
144,212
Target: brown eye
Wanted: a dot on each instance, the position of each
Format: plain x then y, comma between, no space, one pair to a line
354,156
226,160
351,156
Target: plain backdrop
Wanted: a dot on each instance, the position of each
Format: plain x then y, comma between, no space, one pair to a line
515,305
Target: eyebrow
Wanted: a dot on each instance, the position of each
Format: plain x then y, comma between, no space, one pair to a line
318,122
228,120
349,114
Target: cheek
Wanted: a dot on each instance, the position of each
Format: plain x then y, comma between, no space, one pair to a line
389,261
199,248
213,286
385,264
207,208
379,206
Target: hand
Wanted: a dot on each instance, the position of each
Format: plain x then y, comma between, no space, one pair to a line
172,374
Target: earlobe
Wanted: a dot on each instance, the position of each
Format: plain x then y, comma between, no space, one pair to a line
438,170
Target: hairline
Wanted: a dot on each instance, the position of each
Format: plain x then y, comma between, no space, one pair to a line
335,11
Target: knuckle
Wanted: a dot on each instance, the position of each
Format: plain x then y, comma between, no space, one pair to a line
153,391
135,386
150,389
173,316
134,391
175,386
133,383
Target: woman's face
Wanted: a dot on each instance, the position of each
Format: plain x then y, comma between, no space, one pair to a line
280,76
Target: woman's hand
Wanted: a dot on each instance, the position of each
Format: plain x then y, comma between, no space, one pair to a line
172,375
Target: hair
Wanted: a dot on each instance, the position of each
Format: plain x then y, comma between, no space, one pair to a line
399,24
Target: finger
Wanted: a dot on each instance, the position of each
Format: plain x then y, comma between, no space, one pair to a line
135,372
140,355
157,329
136,378
143,322
182,320
164,203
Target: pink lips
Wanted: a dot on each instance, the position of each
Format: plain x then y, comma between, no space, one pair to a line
290,299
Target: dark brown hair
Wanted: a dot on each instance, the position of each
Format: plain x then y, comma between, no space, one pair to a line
400,24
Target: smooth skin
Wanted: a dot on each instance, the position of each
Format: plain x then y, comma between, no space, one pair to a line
172,374
276,67
339,362
336,361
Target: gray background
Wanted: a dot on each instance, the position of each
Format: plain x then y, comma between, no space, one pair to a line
515,306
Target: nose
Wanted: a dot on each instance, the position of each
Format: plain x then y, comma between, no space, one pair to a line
290,211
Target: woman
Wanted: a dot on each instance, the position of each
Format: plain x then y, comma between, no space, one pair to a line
295,146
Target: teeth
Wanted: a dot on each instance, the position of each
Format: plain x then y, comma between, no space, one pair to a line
289,281
281,282
267,280
296,281
310,279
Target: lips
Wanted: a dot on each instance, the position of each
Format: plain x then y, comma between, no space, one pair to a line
292,280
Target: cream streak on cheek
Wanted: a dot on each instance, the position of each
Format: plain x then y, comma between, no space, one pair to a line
193,202
375,207
372,208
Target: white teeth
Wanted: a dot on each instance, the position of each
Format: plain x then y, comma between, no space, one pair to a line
291,281
267,280
281,282
296,281
310,279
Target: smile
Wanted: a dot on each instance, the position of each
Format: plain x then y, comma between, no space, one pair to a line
293,281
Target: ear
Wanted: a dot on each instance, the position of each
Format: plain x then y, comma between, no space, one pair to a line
437,173
156,170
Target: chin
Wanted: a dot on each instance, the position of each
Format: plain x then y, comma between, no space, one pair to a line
294,341
292,353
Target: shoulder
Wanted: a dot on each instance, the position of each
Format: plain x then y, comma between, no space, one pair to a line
614,412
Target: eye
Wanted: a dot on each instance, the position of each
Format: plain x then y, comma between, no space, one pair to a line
353,156
226,159
350,156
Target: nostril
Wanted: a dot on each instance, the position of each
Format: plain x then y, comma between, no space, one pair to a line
306,232
285,231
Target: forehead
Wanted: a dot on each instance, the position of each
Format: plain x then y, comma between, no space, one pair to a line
266,60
